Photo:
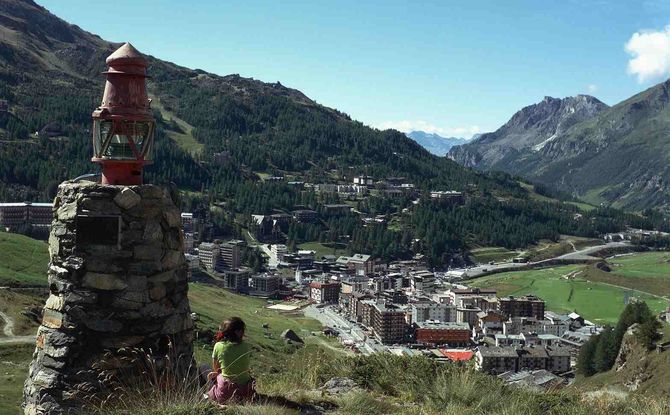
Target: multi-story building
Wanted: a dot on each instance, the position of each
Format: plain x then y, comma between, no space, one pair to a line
281,220
517,325
265,284
467,315
497,360
356,304
230,254
449,196
422,280
324,292
208,253
13,215
237,280
490,321
305,215
388,323
358,264
558,360
188,222
432,311
532,358
278,251
458,296
336,209
364,180
434,333
526,306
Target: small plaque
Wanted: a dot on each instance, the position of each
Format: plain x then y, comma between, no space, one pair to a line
98,230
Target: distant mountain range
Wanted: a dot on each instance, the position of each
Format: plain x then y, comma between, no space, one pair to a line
618,156
434,143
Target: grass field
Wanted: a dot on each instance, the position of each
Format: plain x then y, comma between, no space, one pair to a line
647,271
14,362
596,301
645,265
487,254
23,261
183,138
322,249
213,305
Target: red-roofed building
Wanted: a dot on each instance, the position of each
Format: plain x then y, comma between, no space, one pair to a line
457,355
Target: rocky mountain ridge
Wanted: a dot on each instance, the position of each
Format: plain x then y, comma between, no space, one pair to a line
530,129
615,155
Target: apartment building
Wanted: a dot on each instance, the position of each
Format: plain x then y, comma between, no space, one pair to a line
525,306
388,323
439,333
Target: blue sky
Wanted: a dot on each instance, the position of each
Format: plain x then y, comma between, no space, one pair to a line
452,67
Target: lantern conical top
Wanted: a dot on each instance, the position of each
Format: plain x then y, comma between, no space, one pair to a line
128,60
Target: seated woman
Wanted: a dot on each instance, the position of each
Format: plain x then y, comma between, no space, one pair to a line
230,364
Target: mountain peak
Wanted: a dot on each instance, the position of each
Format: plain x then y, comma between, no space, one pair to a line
435,143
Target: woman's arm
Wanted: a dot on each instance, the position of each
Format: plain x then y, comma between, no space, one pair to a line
216,368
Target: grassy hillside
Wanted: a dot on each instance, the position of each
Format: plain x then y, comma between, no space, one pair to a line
650,367
23,260
566,289
213,305
14,362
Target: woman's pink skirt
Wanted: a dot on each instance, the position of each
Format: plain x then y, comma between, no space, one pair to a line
226,390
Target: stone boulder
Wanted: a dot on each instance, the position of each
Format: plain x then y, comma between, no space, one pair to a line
338,386
603,266
290,336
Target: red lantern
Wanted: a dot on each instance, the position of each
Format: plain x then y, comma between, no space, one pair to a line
123,126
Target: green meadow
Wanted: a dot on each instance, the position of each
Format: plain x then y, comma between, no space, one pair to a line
567,289
23,260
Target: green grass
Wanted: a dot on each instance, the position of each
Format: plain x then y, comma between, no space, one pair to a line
541,198
497,254
643,265
183,138
647,272
213,305
596,301
14,362
23,261
322,249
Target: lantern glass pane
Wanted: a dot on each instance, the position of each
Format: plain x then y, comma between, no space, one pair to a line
100,130
119,148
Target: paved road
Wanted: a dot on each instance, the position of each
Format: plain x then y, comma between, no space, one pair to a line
8,331
578,255
586,253
348,331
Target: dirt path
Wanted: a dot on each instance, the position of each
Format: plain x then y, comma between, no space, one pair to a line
8,331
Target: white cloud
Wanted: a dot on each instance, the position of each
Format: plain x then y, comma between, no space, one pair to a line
407,126
650,54
592,88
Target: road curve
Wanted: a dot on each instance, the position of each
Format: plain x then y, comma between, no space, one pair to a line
8,331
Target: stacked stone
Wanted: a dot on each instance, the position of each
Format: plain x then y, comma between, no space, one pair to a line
104,296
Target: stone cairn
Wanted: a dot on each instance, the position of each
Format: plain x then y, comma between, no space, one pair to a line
117,279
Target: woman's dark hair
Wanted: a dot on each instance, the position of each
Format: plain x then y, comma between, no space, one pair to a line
230,330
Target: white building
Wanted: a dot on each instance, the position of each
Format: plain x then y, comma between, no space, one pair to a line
432,311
